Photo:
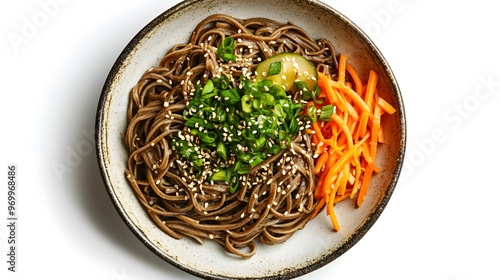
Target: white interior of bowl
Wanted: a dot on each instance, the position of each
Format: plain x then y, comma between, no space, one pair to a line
307,246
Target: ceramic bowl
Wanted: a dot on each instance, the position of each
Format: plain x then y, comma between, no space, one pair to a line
310,248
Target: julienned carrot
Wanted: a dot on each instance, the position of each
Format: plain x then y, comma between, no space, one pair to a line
346,145
342,68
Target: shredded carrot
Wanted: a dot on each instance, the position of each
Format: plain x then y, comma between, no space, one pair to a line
346,145
358,84
342,68
385,106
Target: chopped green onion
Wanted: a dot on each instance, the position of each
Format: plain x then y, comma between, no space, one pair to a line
221,150
194,122
225,50
234,183
230,96
246,104
274,68
259,143
267,99
311,112
255,161
208,88
229,57
208,137
319,101
219,176
326,112
278,111
243,169
275,149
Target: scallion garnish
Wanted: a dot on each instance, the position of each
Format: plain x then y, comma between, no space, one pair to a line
233,129
226,49
274,68
311,112
326,112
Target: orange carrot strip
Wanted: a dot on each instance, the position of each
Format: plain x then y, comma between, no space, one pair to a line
343,180
354,96
320,163
355,189
352,111
344,127
366,153
363,122
370,88
317,131
340,103
324,83
358,84
375,128
331,160
341,197
318,191
342,68
333,218
364,185
385,106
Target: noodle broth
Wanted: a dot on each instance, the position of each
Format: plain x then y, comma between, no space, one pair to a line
309,248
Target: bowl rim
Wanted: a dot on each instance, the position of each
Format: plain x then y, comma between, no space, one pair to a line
354,238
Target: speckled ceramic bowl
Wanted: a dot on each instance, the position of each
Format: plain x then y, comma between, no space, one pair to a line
310,248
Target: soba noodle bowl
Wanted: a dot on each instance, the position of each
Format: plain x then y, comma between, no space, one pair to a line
275,197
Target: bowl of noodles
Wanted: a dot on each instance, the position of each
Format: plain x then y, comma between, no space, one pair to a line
250,139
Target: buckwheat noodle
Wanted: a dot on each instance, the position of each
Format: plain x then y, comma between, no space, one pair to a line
276,196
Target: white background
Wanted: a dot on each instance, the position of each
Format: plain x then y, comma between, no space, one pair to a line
442,222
